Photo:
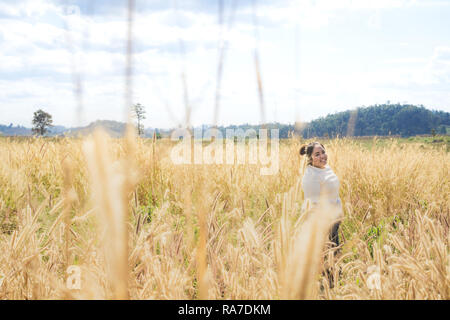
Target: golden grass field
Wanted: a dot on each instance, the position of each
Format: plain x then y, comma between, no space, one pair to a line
140,227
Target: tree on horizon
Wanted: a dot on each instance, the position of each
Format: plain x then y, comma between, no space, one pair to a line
41,121
139,113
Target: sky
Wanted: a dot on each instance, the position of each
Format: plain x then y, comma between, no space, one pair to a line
310,57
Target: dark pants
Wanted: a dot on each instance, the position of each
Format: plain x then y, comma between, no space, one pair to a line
334,234
334,239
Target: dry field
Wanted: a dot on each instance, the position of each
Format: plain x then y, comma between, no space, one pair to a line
119,214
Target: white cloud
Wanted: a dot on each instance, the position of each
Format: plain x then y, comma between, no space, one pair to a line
316,14
375,20
439,64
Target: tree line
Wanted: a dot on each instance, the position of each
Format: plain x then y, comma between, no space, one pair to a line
380,120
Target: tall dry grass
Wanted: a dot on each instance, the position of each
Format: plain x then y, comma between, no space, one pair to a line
140,227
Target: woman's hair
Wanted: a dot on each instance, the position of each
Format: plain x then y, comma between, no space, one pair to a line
308,149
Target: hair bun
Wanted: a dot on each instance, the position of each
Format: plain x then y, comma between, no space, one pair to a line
303,149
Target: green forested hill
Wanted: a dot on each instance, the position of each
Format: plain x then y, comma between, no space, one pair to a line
404,120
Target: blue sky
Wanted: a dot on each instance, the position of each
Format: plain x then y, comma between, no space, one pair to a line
316,57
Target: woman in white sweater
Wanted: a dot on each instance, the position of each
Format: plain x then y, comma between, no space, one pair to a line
321,183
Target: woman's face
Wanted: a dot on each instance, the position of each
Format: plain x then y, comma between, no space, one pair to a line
319,157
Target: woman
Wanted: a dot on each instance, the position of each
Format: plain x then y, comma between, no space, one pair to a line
321,183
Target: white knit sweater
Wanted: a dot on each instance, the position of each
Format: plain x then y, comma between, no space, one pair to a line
321,184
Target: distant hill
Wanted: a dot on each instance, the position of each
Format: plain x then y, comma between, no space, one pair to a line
381,120
57,130
115,129
14,131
